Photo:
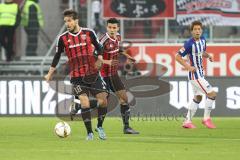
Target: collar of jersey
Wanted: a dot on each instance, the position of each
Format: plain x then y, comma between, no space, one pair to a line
110,37
76,33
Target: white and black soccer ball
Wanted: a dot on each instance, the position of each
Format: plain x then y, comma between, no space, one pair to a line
62,129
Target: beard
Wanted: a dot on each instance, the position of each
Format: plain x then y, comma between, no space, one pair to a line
112,34
71,29
197,36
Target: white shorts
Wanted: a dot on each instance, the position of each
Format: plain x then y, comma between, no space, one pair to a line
201,86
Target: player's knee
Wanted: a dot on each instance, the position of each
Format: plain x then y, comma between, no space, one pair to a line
84,101
212,95
85,104
198,98
102,102
102,99
123,100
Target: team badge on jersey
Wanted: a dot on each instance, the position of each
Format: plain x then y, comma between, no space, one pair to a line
182,50
68,40
199,54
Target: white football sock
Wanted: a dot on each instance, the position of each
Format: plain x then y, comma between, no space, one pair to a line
192,108
208,108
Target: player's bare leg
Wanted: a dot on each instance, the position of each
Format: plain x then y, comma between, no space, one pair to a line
191,112
125,112
208,108
102,111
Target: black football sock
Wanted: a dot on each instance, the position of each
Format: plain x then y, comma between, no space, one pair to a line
86,116
102,111
77,105
125,112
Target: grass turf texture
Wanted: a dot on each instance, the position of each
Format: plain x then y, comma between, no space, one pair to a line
33,138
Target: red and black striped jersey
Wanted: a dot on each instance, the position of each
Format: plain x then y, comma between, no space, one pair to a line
79,48
110,52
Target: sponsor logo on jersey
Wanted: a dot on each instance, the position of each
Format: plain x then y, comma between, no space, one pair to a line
77,45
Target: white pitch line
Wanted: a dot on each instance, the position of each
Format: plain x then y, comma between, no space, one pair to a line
180,138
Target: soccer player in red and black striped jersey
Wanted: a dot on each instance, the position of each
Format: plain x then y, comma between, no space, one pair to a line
110,42
79,43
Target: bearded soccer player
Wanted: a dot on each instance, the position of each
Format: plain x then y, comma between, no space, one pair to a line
195,49
110,42
79,43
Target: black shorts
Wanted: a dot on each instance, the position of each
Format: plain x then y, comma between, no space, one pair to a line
91,84
114,83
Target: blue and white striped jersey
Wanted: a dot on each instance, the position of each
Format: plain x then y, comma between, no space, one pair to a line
194,50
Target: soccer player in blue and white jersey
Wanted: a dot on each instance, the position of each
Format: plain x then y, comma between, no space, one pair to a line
195,50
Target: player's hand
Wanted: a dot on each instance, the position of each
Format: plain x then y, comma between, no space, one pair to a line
111,62
210,58
191,69
48,77
98,64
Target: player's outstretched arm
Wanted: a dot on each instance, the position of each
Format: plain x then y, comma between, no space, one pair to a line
108,62
207,55
51,70
128,56
180,60
48,76
57,56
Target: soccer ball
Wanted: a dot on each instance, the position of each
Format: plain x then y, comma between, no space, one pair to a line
62,129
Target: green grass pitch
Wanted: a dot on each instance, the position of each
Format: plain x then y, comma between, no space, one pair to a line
31,138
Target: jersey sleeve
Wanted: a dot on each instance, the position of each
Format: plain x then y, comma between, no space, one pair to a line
205,44
184,50
121,48
96,43
59,50
103,39
119,37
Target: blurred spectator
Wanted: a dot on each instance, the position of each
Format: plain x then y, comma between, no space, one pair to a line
9,20
206,32
32,20
173,27
233,32
185,33
83,3
96,11
147,30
